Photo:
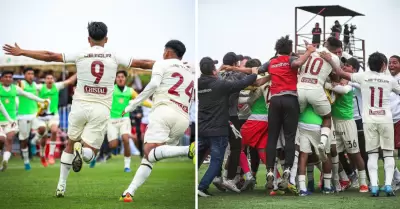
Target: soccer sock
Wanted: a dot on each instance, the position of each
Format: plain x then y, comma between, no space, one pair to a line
282,162
389,164
302,182
335,168
52,148
87,154
373,168
25,155
362,176
127,162
343,176
141,175
167,151
396,174
310,172
65,167
41,151
244,163
293,170
327,180
263,157
325,132
6,156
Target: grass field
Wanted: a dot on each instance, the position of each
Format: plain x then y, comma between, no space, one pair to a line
259,199
171,185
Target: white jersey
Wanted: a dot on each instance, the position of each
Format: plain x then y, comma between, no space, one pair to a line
375,90
176,87
315,71
96,70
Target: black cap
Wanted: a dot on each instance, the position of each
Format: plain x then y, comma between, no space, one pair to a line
231,58
354,63
207,65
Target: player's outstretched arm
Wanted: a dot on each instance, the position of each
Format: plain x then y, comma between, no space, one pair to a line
335,67
70,81
144,64
261,81
295,64
28,95
5,113
146,103
236,69
38,55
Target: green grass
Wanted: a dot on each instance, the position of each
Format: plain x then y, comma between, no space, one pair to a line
171,185
259,199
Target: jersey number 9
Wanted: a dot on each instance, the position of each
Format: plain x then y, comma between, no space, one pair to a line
99,74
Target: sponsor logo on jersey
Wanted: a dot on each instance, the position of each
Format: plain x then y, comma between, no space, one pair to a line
182,106
309,80
377,112
95,90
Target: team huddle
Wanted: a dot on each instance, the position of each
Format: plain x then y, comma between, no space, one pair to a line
100,104
306,112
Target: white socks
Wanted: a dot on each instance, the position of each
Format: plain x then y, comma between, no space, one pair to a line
141,175
25,155
327,180
6,156
389,164
362,177
302,182
293,170
373,168
87,154
325,132
166,151
343,176
65,167
52,147
127,162
41,151
335,168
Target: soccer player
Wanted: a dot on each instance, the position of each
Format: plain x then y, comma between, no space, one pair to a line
376,86
172,85
120,126
90,110
311,87
51,119
8,94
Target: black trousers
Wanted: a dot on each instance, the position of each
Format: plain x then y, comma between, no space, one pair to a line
283,112
235,145
361,144
192,132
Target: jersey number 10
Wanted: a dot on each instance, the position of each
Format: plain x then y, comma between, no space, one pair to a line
315,69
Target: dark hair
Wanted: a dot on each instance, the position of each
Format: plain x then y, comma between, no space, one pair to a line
177,46
333,43
376,60
7,72
207,66
97,30
284,45
28,69
247,57
123,72
49,72
253,63
354,63
396,57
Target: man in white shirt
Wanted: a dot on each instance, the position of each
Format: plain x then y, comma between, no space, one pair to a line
376,86
90,110
172,86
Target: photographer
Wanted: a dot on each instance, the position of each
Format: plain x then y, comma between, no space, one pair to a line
213,117
336,30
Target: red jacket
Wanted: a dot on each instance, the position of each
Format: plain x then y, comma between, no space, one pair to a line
283,77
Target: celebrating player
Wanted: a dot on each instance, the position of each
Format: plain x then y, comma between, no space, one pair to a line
376,86
50,117
172,85
121,126
311,88
90,110
8,93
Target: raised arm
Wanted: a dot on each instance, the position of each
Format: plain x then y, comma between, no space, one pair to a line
144,64
296,63
239,85
38,55
5,113
335,63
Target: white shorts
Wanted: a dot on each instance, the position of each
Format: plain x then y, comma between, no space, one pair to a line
315,97
346,136
26,126
50,121
379,135
308,139
88,121
6,128
118,127
166,125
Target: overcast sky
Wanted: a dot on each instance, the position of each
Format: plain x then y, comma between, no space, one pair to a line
252,27
139,28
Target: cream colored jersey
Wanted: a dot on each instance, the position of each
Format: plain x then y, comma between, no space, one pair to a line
96,71
176,87
315,71
375,91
